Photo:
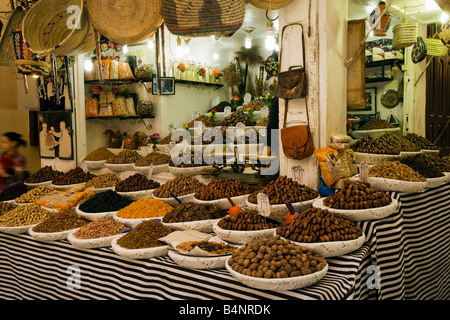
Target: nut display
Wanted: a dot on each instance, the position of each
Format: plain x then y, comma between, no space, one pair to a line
100,228
25,215
14,191
43,175
6,206
60,221
137,182
420,141
425,164
282,189
316,225
73,176
375,124
125,157
99,154
209,246
180,186
34,195
374,146
236,117
194,162
395,170
358,195
247,221
273,258
263,122
188,211
106,180
220,188
399,143
145,208
206,121
154,158
168,140
144,235
107,201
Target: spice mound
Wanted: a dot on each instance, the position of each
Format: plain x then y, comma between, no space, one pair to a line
422,142
283,188
317,225
34,195
358,195
99,154
137,182
374,146
6,206
73,176
428,165
180,186
154,158
14,191
125,157
375,124
219,188
106,180
43,175
395,170
100,228
107,201
145,235
247,221
145,208
399,142
183,161
188,212
274,258
211,247
60,221
25,215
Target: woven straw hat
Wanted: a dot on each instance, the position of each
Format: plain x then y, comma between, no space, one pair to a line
271,4
52,27
126,21
6,55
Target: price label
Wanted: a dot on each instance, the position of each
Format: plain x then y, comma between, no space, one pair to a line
247,98
264,112
263,204
364,172
169,148
199,127
148,149
227,111
195,114
298,172
84,166
55,164
171,128
216,101
150,172
240,129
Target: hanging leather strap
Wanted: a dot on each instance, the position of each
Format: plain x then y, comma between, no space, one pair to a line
303,46
286,112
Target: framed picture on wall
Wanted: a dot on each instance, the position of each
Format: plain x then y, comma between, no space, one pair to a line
371,103
55,135
167,86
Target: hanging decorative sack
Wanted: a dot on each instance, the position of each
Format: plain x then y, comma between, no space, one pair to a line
270,4
202,18
381,29
445,34
419,51
6,54
58,27
126,21
436,47
405,34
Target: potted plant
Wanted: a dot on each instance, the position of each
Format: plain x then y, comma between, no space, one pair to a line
115,138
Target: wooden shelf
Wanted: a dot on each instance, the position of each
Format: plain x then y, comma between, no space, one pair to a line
383,63
120,118
199,84
116,82
382,79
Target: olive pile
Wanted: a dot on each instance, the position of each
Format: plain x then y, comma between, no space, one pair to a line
220,188
375,124
358,195
108,201
273,258
236,117
282,189
206,121
99,154
125,157
180,186
422,142
188,211
182,162
60,221
43,175
154,158
14,191
374,146
209,246
399,143
73,176
6,206
33,195
105,180
137,182
247,221
317,225
395,170
425,165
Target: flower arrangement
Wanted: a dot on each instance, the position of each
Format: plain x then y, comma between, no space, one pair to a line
250,109
96,90
235,102
201,73
212,115
181,67
217,73
155,138
117,135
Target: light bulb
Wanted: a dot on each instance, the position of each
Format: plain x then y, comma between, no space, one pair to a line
215,56
248,42
270,37
187,50
88,65
179,52
35,76
125,49
150,44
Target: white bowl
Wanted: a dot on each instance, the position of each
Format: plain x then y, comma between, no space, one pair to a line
173,202
65,187
430,151
280,284
333,248
132,222
361,214
278,212
146,253
156,169
242,237
192,171
192,262
161,147
406,154
436,182
104,189
384,184
95,164
376,133
136,195
91,216
120,167
16,230
37,185
205,226
50,236
371,158
223,203
91,243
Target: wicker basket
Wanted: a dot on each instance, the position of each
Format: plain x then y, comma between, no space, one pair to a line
435,47
445,34
405,35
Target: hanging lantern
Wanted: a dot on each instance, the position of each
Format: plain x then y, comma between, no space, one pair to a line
381,28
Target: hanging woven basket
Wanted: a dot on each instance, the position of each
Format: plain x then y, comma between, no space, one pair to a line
435,47
405,34
445,34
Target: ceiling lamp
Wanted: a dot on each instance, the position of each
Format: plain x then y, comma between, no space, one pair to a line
151,44
270,37
248,38
186,49
179,52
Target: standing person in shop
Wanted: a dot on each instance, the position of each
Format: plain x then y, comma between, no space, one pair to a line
12,163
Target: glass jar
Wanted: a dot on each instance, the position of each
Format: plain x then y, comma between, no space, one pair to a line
210,74
175,72
201,77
